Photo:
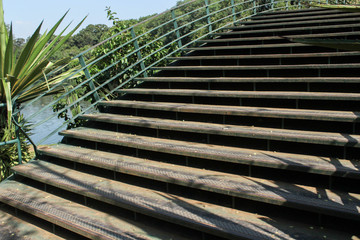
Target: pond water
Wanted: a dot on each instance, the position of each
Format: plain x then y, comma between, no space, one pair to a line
40,132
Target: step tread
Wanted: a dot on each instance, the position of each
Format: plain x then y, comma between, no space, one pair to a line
276,45
327,138
170,173
315,35
273,192
273,30
299,22
267,56
260,67
194,214
70,215
246,94
301,18
211,218
295,162
252,79
309,114
15,228
292,13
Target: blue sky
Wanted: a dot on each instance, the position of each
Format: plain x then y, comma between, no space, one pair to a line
26,15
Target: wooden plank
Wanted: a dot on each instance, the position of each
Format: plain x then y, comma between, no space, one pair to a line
288,135
12,227
333,96
295,29
259,67
305,114
78,218
253,79
267,56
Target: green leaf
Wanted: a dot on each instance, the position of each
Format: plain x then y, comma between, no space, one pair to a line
8,61
39,51
7,91
26,52
64,39
3,31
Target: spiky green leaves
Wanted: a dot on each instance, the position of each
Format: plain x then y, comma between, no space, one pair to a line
25,73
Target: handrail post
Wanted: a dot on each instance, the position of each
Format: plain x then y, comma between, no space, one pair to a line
176,27
287,5
272,4
254,7
138,53
233,10
88,76
17,132
208,15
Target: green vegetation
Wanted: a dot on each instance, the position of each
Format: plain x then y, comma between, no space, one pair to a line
155,36
23,76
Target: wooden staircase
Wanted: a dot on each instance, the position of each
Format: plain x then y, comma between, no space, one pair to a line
247,136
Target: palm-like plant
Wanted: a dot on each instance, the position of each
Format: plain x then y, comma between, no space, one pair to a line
23,77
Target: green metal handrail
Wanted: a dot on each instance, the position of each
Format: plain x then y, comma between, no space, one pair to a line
211,17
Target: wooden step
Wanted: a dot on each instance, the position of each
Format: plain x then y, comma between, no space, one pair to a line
259,67
292,13
305,114
246,94
325,138
213,219
268,38
267,56
274,31
171,173
291,162
15,228
276,45
273,192
252,79
77,218
351,18
253,21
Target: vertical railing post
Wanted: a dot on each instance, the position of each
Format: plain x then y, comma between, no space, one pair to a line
138,53
88,76
17,132
287,5
233,10
176,27
254,7
208,15
272,4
